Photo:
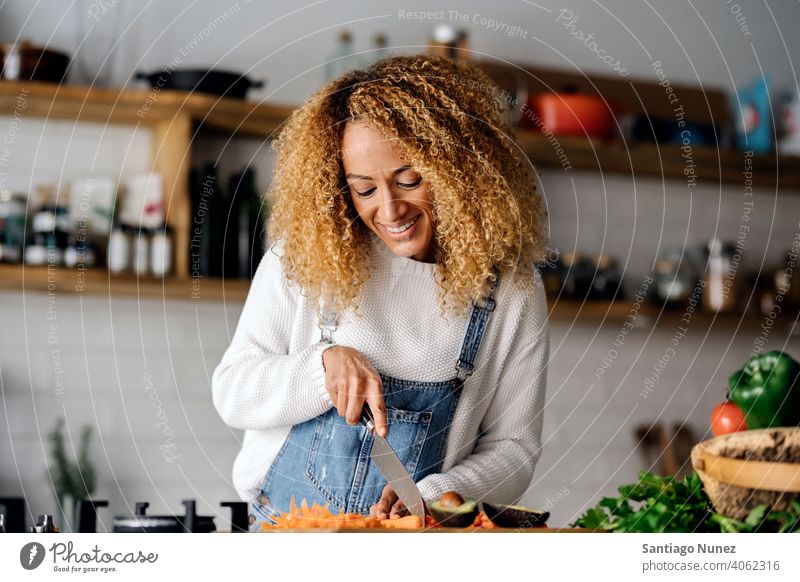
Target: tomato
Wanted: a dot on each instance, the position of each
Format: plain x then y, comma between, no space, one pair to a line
727,418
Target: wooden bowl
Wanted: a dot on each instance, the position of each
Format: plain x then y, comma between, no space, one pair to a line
745,469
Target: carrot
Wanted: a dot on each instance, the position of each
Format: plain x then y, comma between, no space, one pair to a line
407,522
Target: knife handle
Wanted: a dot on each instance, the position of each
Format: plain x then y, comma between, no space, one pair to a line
367,418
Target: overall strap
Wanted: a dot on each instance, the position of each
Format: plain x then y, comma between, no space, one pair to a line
327,321
477,325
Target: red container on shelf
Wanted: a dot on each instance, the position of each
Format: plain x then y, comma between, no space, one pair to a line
569,113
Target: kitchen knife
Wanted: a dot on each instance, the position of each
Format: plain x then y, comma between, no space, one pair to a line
393,470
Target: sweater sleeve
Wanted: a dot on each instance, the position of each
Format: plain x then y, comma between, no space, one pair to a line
259,384
500,467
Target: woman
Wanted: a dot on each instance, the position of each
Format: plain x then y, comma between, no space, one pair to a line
407,227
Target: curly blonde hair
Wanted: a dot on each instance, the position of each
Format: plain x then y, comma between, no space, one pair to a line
446,121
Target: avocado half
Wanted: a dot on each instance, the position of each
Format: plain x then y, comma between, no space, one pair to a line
514,515
459,516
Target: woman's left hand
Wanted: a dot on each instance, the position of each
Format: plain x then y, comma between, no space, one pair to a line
388,505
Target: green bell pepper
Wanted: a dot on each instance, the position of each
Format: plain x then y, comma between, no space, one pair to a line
767,389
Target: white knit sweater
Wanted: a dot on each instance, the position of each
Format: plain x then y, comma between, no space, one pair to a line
271,377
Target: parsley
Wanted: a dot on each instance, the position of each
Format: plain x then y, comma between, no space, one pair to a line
664,504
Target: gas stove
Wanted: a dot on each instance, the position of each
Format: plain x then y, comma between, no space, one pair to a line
13,518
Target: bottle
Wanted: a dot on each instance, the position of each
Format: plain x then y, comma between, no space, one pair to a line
79,252
249,235
51,220
119,249
785,277
718,296
44,524
161,251
342,58
607,281
140,260
379,51
12,226
673,279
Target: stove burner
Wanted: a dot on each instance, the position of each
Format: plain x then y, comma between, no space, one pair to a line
12,520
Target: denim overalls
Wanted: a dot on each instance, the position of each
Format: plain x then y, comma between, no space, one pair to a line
327,461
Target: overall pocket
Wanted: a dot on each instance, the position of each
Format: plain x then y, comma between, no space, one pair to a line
339,465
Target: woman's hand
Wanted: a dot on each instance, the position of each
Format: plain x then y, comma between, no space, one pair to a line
388,505
351,381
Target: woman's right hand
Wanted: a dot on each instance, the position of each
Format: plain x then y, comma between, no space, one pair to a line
351,381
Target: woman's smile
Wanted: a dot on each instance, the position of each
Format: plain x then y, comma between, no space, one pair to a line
404,231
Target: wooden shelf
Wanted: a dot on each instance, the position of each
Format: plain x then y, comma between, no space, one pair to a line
100,282
648,314
246,118
710,165
140,106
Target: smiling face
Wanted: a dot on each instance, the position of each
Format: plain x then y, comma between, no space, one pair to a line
389,196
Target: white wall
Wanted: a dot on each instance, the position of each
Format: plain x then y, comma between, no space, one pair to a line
108,345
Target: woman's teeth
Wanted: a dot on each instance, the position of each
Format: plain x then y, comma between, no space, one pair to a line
403,228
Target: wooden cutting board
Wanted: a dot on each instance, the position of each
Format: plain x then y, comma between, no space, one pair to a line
433,530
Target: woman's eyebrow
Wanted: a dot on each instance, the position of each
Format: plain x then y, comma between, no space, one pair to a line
360,177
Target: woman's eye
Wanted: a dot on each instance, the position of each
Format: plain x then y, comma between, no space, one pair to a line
367,193
410,185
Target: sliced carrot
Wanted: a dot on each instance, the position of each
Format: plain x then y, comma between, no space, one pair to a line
406,522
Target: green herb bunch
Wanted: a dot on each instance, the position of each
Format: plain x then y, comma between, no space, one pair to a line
76,479
664,504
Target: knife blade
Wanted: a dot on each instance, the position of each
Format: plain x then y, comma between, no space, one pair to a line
393,470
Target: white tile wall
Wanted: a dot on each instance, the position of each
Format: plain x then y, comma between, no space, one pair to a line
105,348
53,151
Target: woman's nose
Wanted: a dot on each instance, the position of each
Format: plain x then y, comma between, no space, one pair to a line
391,207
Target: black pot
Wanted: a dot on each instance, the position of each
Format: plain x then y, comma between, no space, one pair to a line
140,522
213,82
26,62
